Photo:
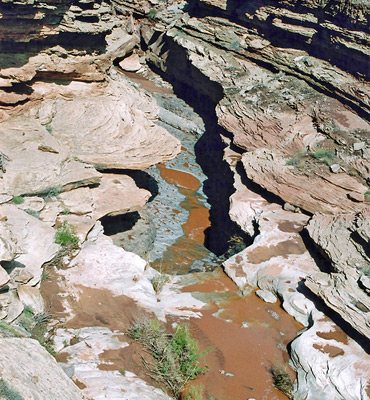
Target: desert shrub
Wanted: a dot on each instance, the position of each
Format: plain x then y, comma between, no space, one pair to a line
367,195
195,393
177,356
18,200
66,235
152,13
7,330
282,380
8,393
321,154
159,281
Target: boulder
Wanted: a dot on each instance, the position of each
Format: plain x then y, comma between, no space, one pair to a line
31,296
131,63
34,237
30,370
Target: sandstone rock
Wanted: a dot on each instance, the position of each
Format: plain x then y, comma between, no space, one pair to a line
128,275
8,246
277,260
116,195
4,277
88,367
35,238
31,296
23,276
329,364
15,306
335,168
28,368
131,63
266,296
30,170
342,294
343,239
116,132
327,193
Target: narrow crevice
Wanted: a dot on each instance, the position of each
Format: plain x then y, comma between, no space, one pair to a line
321,259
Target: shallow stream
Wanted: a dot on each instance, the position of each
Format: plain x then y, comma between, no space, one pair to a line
246,336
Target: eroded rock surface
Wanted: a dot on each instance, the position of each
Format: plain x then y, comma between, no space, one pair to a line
29,369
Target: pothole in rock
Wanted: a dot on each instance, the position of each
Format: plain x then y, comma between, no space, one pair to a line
133,231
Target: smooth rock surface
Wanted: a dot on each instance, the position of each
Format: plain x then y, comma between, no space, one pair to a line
28,368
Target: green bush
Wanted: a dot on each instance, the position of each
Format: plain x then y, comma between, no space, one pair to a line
367,195
320,154
66,235
152,13
18,200
8,393
177,355
159,281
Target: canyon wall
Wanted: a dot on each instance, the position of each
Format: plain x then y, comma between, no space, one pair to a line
285,82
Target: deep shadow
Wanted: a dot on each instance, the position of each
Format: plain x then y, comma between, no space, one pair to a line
9,266
142,179
321,259
119,223
363,341
203,95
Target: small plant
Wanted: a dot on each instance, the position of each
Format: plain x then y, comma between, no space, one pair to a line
18,200
7,330
177,355
45,275
33,213
66,235
53,192
195,393
282,380
152,13
297,159
324,155
66,211
8,393
49,128
159,281
367,195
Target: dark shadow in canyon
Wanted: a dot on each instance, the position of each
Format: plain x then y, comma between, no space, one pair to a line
202,95
119,223
321,259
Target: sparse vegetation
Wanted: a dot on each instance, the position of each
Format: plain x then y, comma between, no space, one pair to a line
53,192
282,380
195,393
33,213
18,200
177,356
37,325
367,195
324,155
66,236
49,128
152,13
8,393
7,330
159,281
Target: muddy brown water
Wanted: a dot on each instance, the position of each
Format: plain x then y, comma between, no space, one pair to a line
245,335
